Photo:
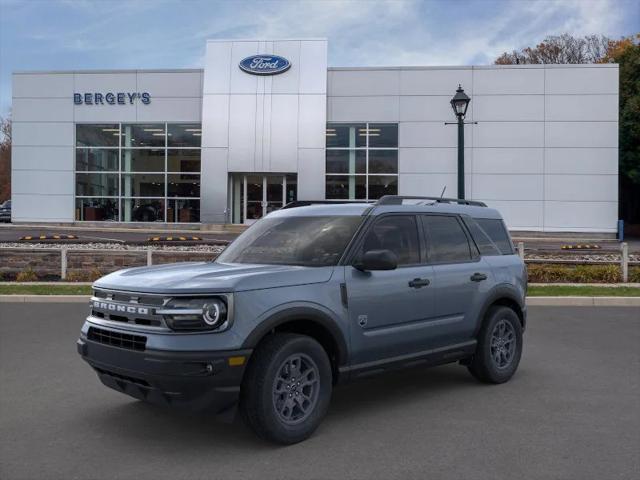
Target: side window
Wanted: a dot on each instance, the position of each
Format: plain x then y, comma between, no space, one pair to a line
497,232
484,243
398,234
447,240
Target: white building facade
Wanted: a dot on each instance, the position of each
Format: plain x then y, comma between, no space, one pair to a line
268,122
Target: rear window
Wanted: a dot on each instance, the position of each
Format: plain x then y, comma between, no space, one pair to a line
496,231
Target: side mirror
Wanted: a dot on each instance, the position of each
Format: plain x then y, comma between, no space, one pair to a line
377,260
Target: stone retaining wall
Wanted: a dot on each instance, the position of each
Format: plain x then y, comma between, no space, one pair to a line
84,265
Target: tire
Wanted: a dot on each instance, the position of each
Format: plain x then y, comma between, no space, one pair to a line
272,402
498,361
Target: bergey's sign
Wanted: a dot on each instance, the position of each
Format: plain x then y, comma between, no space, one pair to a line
265,64
110,98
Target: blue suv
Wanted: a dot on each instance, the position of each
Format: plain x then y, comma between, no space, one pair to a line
309,297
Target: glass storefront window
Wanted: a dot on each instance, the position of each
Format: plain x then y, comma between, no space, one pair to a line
142,160
183,211
380,185
364,151
103,135
346,187
184,135
127,172
143,185
96,185
181,185
143,209
96,160
383,161
340,135
346,161
183,161
96,209
143,135
383,135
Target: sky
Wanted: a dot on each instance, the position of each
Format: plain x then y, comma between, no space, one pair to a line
114,34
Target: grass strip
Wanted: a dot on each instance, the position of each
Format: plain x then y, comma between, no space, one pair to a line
45,289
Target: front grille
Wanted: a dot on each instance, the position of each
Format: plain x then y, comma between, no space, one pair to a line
117,339
131,308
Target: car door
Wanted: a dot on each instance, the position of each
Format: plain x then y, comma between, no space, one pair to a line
389,310
461,277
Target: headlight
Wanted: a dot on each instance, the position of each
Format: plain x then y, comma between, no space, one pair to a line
196,313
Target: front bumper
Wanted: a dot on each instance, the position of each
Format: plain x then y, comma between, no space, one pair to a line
195,380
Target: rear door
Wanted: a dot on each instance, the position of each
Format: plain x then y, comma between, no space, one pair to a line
389,310
461,277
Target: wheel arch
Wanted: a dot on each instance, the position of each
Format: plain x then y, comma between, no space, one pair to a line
308,321
507,296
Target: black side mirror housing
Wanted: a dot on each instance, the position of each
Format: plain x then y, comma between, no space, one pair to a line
377,260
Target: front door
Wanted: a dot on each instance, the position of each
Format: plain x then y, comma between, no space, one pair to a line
390,311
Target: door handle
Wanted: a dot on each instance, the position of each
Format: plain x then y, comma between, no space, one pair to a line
478,277
419,282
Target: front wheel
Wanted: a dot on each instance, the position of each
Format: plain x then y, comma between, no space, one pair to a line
287,388
499,346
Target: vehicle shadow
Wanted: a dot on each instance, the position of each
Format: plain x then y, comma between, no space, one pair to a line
136,421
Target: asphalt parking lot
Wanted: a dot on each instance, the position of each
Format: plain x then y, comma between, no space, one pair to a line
572,411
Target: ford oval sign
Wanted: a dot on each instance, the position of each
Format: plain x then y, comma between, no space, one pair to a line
265,64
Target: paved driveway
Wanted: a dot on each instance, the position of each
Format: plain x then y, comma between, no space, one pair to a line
572,411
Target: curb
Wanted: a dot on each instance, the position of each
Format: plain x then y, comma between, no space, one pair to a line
531,301
584,301
604,285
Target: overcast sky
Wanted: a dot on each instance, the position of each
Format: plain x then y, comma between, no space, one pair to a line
106,34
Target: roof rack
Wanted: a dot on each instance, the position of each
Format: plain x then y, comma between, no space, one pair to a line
306,203
397,200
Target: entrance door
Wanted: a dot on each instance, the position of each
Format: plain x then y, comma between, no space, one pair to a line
255,195
254,198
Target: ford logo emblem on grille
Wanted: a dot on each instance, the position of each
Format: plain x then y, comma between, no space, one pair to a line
265,64
118,307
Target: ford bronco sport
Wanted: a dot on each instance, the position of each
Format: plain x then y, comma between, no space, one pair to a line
309,297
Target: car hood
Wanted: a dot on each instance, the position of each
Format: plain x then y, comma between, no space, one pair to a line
209,277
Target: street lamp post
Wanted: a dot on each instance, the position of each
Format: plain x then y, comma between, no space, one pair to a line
460,103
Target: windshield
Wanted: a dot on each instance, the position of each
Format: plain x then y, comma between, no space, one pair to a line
305,241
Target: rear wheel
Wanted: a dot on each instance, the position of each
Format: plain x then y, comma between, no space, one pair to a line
287,388
499,346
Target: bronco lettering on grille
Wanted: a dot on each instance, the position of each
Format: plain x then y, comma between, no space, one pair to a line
117,307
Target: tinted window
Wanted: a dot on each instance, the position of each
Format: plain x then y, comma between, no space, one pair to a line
398,234
446,239
307,241
482,240
497,232
103,135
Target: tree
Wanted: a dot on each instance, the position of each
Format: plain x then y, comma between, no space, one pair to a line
626,53
599,49
563,48
5,158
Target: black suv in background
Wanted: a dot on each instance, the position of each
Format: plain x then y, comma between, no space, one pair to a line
5,211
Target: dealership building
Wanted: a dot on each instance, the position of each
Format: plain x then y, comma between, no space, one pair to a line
268,122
